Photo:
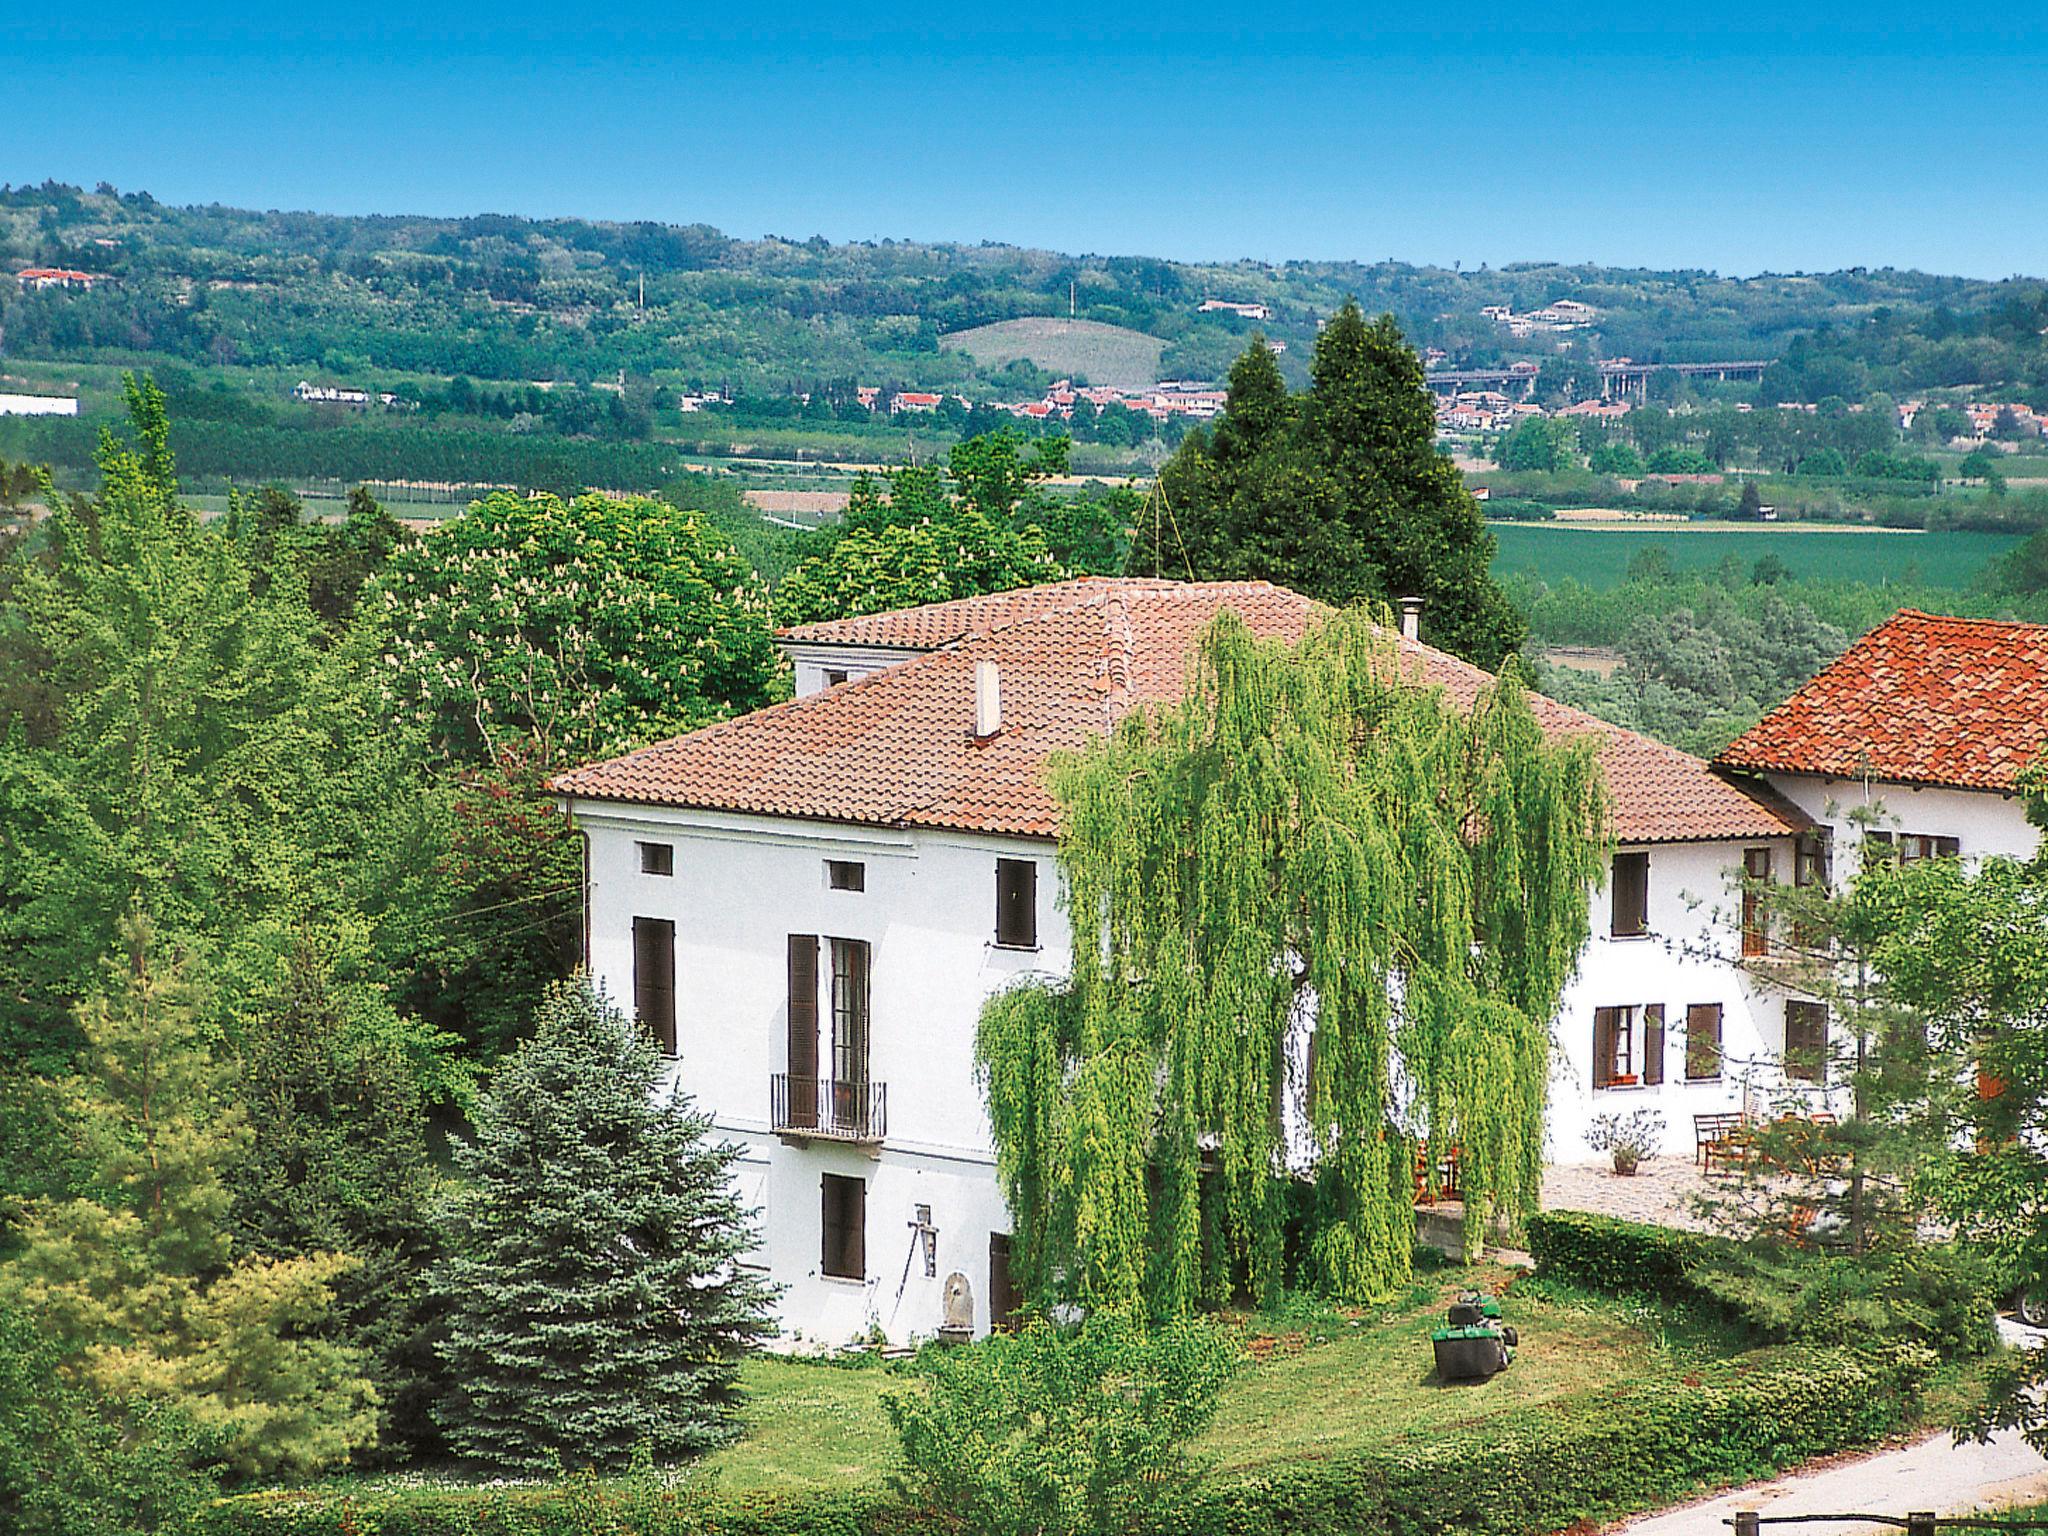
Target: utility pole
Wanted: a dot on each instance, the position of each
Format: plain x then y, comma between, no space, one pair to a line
1073,309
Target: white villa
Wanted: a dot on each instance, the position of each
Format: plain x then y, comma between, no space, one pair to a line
808,905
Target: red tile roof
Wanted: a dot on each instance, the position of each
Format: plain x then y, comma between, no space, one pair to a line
1921,699
895,747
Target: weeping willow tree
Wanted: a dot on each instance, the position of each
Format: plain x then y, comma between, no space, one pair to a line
1317,911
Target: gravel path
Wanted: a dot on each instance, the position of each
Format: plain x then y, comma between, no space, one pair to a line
1929,1474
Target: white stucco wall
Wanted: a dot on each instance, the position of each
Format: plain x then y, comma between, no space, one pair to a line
1686,958
741,886
1984,822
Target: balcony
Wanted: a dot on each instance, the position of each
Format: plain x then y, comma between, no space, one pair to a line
822,1109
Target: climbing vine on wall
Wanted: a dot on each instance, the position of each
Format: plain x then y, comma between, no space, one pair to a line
1318,911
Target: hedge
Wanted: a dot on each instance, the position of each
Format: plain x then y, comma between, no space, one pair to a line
1606,1454
1622,1449
1931,1295
1604,1253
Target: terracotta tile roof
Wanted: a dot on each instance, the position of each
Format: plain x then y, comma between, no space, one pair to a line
894,748
939,624
1921,699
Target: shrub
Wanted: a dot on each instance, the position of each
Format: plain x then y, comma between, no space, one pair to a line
1045,1433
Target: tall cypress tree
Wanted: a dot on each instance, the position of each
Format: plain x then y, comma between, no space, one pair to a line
595,1299
1339,493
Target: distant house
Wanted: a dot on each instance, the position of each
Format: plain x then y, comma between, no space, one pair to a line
330,394
1243,311
910,400
36,279
38,405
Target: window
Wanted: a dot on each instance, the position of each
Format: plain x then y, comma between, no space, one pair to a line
1806,1041
1809,874
1004,1299
657,859
1756,874
845,1223
1017,903
834,676
654,979
1614,1040
1653,1046
1631,892
1702,1042
849,1013
1906,847
846,874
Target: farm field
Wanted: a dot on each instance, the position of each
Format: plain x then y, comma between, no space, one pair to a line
1599,556
1105,354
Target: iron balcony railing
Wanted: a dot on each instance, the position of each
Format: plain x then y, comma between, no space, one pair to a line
828,1108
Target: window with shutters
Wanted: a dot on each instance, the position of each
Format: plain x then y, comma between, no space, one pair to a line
1614,1048
1702,1042
654,979
846,874
1756,878
845,1223
657,859
1653,1045
1806,1041
1017,903
1908,847
1630,890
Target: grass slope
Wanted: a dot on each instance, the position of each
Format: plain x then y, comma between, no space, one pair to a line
1109,355
1350,1386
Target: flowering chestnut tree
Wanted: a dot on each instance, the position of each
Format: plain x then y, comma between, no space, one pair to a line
559,630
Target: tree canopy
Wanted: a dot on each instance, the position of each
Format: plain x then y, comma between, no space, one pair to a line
542,626
1316,911
1338,493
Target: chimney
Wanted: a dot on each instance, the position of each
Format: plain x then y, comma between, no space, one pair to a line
988,700
1411,618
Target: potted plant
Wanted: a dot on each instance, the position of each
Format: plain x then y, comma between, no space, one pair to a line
1628,1138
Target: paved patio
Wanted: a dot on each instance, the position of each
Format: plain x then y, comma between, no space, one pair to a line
1660,1190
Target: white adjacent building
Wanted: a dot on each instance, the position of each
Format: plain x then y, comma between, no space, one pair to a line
808,905
1914,741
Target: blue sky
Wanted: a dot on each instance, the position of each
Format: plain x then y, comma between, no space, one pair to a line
1737,137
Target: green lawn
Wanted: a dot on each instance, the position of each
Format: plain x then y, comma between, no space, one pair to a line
1350,1385
1599,557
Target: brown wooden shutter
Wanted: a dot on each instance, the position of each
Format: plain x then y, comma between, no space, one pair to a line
654,979
1653,1045
1604,1021
1017,903
1756,870
1631,895
857,1228
803,1029
1703,1041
